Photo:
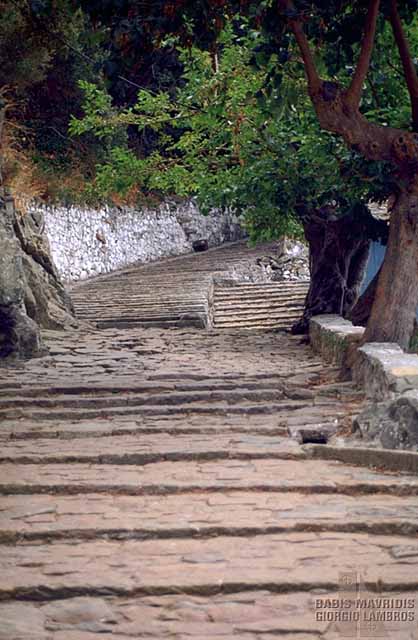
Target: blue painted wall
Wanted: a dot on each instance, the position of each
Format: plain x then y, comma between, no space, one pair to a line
377,253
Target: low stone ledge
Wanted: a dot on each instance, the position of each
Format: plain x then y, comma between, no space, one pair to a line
335,339
388,376
384,370
405,461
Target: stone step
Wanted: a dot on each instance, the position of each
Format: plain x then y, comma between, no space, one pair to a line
283,324
258,304
128,568
110,411
222,614
256,314
142,316
149,448
174,317
259,289
131,399
274,383
144,306
160,478
193,320
93,516
138,426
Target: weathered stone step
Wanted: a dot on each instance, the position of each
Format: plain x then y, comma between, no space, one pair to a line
146,303
132,399
134,567
142,315
159,323
260,290
192,408
90,516
303,476
147,449
258,304
144,308
175,424
137,426
216,385
273,323
256,314
172,298
221,614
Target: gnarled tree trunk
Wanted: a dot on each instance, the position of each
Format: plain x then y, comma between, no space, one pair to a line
338,110
339,250
394,307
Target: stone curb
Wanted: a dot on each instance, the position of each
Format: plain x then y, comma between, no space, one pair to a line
335,339
382,369
388,375
392,460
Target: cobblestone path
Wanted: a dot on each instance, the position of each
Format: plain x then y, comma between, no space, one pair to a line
151,487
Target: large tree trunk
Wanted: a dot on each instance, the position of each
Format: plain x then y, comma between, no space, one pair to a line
339,249
394,307
360,313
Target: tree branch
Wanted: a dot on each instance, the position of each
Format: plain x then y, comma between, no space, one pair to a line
355,89
2,119
314,81
410,73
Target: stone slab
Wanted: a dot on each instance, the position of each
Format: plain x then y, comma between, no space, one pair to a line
334,338
252,615
281,562
147,448
174,477
405,461
384,370
243,514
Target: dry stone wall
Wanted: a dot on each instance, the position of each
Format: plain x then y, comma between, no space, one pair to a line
85,242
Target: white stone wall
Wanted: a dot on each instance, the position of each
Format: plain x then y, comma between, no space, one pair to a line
85,242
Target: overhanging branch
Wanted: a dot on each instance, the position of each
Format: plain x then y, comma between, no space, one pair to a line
356,87
406,59
314,81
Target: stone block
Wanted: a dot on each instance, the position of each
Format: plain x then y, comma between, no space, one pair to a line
392,424
384,370
335,339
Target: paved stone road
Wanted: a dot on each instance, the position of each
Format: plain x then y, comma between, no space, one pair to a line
150,488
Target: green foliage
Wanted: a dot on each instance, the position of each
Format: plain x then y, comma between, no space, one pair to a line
234,136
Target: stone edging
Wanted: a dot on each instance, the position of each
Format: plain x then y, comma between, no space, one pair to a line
390,460
334,339
388,375
382,369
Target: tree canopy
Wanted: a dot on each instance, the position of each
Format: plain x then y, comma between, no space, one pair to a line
281,109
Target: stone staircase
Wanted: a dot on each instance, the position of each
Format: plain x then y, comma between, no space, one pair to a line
152,484
258,306
177,292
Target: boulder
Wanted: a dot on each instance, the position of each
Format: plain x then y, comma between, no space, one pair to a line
392,424
31,294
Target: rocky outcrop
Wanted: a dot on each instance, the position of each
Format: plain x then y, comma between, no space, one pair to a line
31,294
392,424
